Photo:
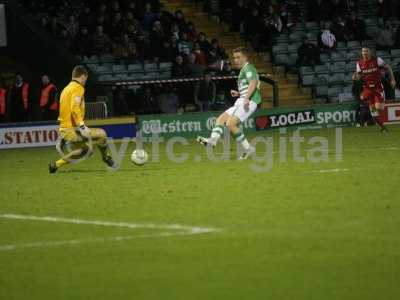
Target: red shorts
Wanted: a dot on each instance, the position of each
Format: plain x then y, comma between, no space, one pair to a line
373,95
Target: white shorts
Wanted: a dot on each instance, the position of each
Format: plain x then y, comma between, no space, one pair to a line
239,112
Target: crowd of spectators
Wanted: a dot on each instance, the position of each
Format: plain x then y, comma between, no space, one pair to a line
133,31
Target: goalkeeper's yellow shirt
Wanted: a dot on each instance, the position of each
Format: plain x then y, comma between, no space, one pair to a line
72,105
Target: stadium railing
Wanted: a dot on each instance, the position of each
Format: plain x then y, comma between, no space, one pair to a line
178,81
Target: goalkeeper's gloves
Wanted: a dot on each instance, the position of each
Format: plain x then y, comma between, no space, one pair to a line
84,131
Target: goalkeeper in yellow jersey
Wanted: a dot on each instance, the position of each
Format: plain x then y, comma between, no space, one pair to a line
73,131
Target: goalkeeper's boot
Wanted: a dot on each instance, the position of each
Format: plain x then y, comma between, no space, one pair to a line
204,141
384,129
109,162
247,153
52,167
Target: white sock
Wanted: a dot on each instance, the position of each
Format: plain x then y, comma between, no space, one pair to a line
246,144
216,133
241,139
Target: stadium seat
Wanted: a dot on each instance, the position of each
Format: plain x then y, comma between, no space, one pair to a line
280,49
137,68
353,45
281,59
336,79
119,69
149,67
348,78
312,26
165,66
338,67
348,89
324,58
321,79
395,53
338,56
103,69
352,55
293,47
106,77
106,58
385,55
333,92
305,70
350,67
292,60
322,69
346,97
307,80
297,36
321,91
135,76
165,75
341,46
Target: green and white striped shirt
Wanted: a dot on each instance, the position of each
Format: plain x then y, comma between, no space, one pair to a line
247,74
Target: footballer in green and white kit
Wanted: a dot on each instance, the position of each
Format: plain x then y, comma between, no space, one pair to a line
249,96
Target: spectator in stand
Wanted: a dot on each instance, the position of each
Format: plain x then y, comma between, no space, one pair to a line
82,44
175,31
200,56
327,40
357,27
101,42
116,26
397,38
180,20
157,37
86,18
191,32
308,54
340,30
129,20
385,37
168,101
167,52
252,25
184,45
225,86
148,17
277,24
205,45
120,104
194,68
179,69
238,14
204,92
385,8
72,26
66,39
218,49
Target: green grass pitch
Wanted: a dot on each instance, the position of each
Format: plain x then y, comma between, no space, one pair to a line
327,230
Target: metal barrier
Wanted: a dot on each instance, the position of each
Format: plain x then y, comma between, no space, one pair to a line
263,77
96,110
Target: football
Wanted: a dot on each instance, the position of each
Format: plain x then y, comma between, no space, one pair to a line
139,157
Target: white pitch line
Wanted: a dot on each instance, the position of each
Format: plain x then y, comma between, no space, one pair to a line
332,171
179,230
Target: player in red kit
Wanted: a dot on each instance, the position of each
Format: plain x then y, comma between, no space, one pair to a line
368,70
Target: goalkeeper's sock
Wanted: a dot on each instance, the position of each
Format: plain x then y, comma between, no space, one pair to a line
241,139
103,150
216,134
60,163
